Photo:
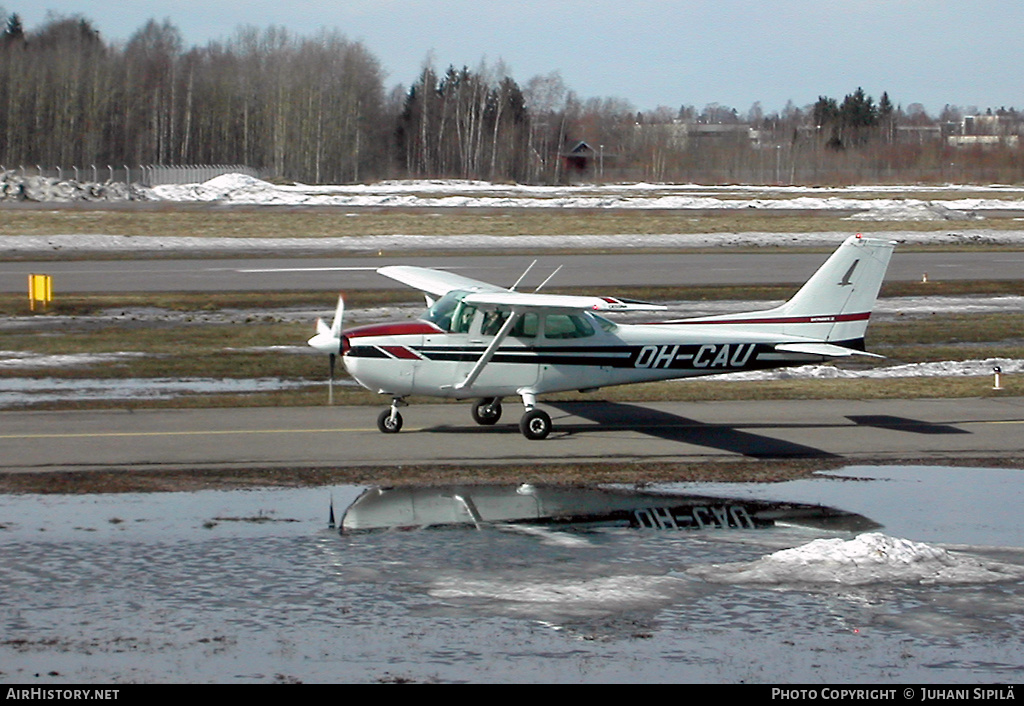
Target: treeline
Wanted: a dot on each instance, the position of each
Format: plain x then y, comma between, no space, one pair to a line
309,108
315,109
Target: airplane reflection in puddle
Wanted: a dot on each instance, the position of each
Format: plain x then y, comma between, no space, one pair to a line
410,508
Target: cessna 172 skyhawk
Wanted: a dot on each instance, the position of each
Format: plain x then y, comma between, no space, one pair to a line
484,342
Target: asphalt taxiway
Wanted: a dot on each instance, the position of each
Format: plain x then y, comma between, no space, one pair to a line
931,430
603,271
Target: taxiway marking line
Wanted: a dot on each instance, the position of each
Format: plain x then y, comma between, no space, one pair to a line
989,421
309,269
215,432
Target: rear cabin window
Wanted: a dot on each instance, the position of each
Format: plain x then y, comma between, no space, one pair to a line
567,326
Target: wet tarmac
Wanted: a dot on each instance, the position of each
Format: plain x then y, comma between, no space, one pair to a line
923,586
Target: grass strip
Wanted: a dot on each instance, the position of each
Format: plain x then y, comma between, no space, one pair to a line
217,221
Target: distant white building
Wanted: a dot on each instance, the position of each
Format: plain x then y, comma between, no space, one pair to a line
986,131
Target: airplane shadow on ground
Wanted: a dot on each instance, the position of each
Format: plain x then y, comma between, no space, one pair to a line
672,427
610,416
915,426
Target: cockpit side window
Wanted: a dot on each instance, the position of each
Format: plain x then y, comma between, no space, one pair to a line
462,319
492,322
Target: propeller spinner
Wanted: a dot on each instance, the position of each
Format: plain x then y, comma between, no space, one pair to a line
329,340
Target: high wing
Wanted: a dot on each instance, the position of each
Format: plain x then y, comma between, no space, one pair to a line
556,302
489,296
436,282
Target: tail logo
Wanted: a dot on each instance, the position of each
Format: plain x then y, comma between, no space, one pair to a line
845,281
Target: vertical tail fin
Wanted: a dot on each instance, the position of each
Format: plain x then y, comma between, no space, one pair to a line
835,303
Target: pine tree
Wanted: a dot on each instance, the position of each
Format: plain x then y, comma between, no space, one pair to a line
14,32
886,117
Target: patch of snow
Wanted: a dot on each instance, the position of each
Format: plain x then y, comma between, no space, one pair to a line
18,392
948,368
891,307
572,595
916,211
869,558
14,360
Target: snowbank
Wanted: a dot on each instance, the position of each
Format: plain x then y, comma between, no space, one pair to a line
49,190
241,189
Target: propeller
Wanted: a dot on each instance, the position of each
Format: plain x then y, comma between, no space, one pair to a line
328,339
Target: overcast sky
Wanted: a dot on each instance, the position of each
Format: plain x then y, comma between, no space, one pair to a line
648,52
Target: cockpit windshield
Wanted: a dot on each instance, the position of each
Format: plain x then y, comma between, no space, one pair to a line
444,310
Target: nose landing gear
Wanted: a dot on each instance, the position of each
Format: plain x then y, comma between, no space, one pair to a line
390,420
487,411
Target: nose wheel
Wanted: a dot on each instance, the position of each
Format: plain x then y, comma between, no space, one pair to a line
390,420
487,411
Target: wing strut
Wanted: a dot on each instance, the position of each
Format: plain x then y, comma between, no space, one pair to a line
502,334
548,279
522,276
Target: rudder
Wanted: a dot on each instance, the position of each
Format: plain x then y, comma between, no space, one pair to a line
835,304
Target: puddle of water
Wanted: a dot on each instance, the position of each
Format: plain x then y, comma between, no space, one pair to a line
969,506
252,586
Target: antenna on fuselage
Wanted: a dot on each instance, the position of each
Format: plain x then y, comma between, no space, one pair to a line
548,279
525,272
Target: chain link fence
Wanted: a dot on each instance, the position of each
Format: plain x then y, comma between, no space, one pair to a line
142,174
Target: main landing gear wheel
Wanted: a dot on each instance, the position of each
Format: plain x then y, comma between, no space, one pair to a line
389,421
535,424
487,412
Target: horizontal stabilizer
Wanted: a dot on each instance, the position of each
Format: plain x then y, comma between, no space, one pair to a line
826,349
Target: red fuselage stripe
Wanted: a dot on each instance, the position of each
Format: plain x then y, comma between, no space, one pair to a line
402,328
826,318
401,352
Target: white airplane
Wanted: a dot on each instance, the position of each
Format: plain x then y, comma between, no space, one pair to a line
484,342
